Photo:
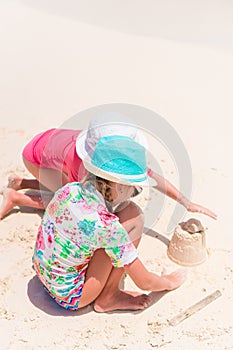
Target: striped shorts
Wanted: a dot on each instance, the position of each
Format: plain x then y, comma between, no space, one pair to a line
71,300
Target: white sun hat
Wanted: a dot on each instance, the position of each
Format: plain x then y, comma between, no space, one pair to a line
115,151
107,124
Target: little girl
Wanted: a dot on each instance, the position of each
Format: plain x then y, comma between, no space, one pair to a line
83,249
52,159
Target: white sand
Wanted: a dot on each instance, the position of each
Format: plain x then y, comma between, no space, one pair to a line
58,58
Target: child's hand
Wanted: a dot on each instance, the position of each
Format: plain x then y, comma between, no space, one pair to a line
176,278
196,208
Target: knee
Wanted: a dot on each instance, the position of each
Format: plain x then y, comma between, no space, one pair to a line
131,211
14,197
131,218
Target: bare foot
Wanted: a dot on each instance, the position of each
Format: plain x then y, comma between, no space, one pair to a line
14,181
8,202
121,300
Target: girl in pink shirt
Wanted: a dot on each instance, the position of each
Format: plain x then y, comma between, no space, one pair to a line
55,149
52,159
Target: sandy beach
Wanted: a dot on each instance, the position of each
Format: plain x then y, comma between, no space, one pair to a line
59,58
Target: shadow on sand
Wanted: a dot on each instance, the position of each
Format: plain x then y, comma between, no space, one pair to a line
159,236
41,300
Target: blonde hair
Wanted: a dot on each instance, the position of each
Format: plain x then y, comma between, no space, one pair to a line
102,185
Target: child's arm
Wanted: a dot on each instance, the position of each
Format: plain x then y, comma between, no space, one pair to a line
149,281
168,189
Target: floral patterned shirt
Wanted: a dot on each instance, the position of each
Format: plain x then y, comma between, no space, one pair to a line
75,224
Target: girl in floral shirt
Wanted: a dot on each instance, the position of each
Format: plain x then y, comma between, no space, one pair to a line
83,248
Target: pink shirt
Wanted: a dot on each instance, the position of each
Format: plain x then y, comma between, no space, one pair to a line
55,149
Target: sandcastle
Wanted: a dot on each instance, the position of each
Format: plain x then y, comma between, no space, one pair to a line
188,244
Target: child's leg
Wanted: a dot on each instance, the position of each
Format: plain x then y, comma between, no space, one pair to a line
102,280
131,218
17,182
50,178
101,286
12,198
45,179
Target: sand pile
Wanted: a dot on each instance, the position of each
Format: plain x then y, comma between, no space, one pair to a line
188,244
